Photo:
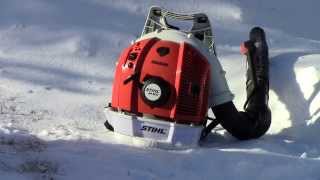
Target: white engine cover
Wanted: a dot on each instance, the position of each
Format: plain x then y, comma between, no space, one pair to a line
159,133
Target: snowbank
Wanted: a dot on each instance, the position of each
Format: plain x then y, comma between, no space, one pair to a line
56,69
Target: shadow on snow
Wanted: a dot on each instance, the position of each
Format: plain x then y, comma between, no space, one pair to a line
51,77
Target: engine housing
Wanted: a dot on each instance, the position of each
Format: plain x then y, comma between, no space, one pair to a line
162,78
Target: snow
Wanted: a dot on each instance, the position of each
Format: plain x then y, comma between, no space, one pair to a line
56,69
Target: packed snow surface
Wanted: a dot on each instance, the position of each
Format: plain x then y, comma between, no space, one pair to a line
56,69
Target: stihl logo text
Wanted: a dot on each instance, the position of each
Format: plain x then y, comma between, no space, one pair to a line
153,129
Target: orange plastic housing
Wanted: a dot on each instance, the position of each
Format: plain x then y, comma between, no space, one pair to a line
183,67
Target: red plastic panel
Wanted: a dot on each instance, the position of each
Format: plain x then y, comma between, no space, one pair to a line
125,94
192,86
180,65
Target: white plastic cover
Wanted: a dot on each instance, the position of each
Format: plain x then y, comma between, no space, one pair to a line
160,133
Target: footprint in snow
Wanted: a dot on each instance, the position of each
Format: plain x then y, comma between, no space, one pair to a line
48,88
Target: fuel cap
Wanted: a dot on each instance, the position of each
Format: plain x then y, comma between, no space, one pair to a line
155,91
